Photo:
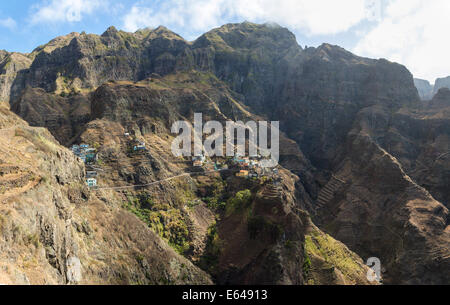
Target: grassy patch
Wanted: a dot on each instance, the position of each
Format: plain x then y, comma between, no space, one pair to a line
168,222
38,140
32,239
323,246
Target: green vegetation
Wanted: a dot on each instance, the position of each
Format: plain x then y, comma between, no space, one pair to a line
307,265
213,249
193,203
216,201
66,86
289,244
165,220
237,203
96,145
326,248
189,80
32,239
184,194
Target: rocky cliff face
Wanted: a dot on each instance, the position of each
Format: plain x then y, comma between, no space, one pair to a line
267,239
441,83
64,116
374,207
10,66
425,89
361,153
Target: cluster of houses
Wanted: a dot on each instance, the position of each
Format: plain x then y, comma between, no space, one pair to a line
89,157
85,153
249,167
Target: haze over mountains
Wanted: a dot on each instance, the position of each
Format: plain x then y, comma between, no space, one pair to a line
427,90
365,163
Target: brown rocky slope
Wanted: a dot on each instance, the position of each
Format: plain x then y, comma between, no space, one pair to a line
212,229
54,231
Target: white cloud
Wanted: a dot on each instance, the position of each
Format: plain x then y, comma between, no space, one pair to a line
8,23
317,17
64,10
198,15
413,33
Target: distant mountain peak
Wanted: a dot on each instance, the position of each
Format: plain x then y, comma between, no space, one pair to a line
427,90
110,31
443,82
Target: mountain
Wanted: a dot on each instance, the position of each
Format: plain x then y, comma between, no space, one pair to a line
425,89
364,162
441,83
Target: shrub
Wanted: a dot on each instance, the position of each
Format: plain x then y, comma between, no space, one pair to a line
239,201
306,264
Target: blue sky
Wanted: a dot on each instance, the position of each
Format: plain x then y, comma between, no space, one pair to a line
411,32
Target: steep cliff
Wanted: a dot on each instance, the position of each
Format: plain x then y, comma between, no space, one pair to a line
425,89
441,83
10,66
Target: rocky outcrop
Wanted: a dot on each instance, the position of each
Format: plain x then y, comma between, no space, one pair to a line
441,83
380,211
64,117
441,101
424,88
267,239
78,63
428,91
10,66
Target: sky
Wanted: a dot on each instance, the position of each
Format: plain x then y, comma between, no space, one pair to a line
411,32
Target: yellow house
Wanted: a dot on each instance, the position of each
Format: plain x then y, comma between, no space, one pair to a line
242,173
